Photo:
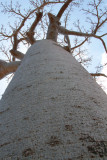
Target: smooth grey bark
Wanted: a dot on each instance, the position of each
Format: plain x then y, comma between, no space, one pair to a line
52,109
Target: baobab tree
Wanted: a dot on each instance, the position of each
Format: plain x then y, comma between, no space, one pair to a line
19,35
52,109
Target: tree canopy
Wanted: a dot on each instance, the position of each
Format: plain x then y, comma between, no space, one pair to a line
71,23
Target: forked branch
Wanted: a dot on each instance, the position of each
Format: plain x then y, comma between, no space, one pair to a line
64,31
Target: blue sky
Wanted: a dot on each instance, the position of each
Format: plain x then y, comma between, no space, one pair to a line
95,48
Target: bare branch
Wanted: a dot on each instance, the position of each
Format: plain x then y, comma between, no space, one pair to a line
7,68
38,18
103,35
9,9
45,3
64,31
15,44
104,45
30,34
17,54
99,14
98,26
98,74
79,44
68,42
63,8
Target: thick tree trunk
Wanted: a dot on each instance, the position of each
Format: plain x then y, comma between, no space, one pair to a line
52,109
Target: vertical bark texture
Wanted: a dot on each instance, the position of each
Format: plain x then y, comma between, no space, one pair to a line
52,109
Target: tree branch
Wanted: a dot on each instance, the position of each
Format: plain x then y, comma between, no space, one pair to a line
64,31
54,22
79,44
30,34
7,68
98,74
63,8
17,54
53,27
68,48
